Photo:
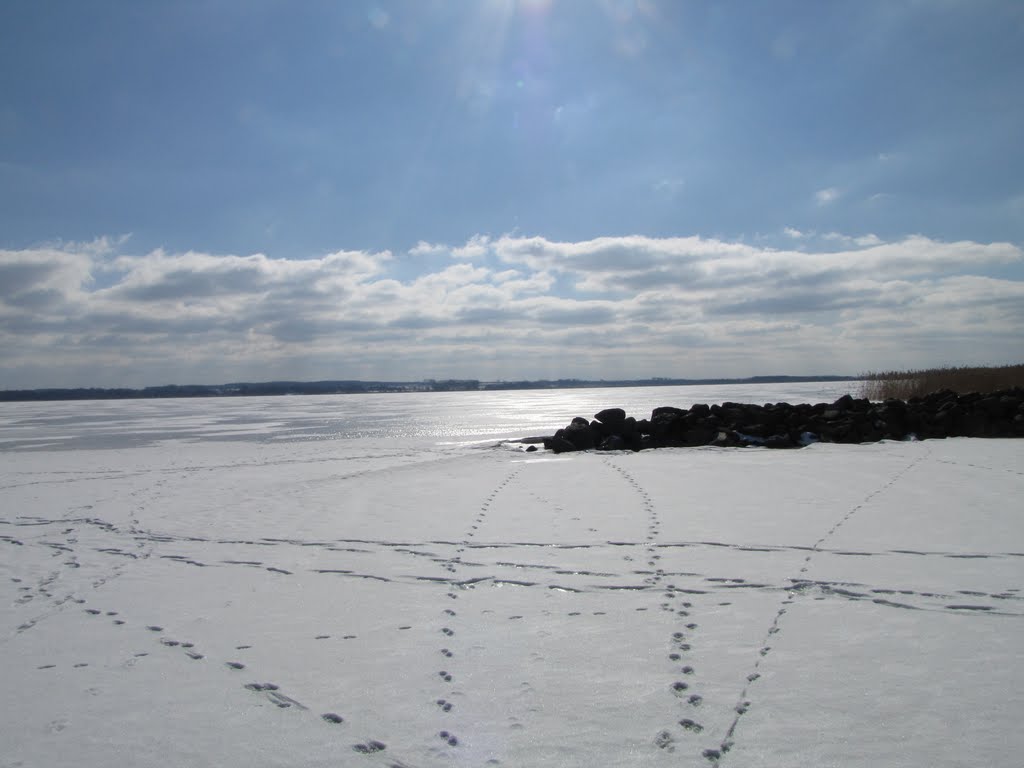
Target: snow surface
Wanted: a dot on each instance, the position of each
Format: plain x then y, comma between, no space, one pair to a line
207,603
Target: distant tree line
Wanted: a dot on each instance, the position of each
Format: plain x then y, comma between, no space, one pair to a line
252,389
655,382
239,389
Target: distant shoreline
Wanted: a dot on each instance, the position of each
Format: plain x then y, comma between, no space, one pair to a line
276,388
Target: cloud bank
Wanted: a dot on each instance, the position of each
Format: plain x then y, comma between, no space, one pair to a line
509,307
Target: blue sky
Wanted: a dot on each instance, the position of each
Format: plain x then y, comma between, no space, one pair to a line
224,190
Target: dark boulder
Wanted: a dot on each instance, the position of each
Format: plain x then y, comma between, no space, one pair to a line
779,441
699,434
844,403
613,443
558,444
580,434
726,438
782,425
666,423
667,409
612,417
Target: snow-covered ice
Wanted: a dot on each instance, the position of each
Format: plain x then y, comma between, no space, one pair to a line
323,603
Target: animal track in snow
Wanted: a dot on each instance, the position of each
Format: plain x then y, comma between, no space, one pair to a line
691,725
449,738
743,705
369,747
664,740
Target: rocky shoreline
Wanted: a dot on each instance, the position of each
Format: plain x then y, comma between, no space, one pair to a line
781,425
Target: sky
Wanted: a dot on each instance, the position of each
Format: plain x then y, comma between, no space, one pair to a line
225,190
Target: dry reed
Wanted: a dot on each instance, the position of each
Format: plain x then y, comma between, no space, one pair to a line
903,385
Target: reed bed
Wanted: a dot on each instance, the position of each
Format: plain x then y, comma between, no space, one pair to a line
903,385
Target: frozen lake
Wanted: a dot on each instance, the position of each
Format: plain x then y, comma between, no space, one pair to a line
371,580
420,420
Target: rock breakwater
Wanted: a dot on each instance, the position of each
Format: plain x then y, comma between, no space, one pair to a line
781,425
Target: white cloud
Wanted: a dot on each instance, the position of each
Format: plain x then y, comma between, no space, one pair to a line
863,240
476,247
796,234
506,306
868,239
423,248
827,196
